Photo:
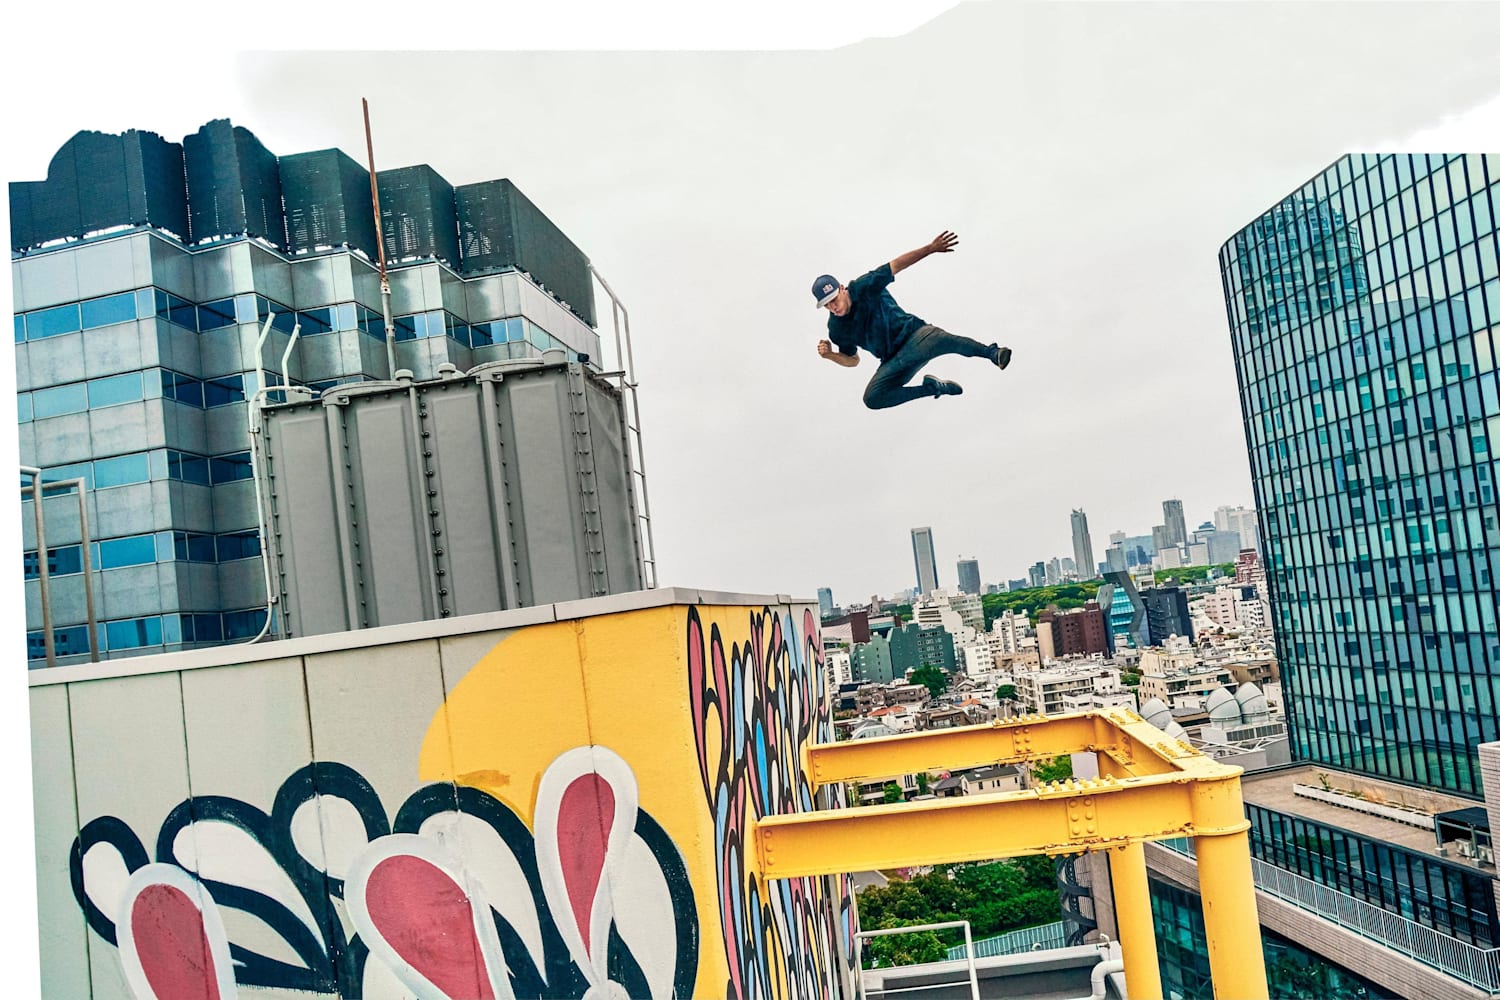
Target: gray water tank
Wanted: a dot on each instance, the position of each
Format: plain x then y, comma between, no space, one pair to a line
390,502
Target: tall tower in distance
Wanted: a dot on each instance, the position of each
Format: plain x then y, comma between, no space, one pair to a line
1083,547
1171,512
968,576
921,550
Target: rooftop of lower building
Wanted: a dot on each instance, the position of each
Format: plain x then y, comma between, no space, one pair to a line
1380,810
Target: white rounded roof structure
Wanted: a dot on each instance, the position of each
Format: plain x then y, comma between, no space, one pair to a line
1222,706
1253,704
1157,713
873,730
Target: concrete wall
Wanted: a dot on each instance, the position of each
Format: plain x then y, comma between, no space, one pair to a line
547,802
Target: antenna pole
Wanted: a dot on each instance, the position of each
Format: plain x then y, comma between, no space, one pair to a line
385,281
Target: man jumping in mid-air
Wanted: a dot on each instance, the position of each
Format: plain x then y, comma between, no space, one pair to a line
864,314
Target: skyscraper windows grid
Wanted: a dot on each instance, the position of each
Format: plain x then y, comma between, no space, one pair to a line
1364,311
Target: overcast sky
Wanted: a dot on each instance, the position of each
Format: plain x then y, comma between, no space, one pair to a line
1091,157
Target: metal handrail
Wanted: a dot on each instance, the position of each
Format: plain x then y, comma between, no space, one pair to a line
1479,967
636,453
1046,936
968,947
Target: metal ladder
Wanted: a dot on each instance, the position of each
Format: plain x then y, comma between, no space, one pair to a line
635,451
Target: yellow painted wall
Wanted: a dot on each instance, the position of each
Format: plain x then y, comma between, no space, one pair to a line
710,707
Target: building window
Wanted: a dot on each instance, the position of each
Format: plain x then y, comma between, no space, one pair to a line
54,322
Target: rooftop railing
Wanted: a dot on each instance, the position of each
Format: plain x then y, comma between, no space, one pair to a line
1479,967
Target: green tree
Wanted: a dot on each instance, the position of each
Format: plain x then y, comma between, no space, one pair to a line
1057,769
893,792
922,782
1006,692
1191,574
1034,599
934,679
904,949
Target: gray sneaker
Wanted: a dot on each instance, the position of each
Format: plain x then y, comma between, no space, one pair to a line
938,387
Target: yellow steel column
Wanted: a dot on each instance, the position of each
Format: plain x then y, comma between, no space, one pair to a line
1127,878
1226,883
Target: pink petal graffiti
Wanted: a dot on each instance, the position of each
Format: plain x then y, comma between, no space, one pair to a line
421,915
585,814
171,937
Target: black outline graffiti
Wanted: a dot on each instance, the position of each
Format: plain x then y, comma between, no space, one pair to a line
335,965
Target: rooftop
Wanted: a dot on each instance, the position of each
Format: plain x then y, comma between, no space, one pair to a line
1273,789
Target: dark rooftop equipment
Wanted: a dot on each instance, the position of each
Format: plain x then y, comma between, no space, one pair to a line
327,200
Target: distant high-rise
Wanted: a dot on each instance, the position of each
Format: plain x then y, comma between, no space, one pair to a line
825,601
1054,571
1037,574
968,576
926,560
1171,512
1083,546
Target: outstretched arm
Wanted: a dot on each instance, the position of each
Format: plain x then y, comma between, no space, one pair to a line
825,350
943,242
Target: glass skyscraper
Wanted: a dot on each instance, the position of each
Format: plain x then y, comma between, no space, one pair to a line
1364,311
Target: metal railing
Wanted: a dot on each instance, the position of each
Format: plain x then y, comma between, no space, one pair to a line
968,946
1479,967
1044,936
634,444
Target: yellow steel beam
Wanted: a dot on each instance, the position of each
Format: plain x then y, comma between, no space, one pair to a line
1136,926
1130,746
1059,819
1151,787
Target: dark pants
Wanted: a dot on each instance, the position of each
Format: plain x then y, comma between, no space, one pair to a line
888,385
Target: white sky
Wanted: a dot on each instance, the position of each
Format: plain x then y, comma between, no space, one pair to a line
1092,158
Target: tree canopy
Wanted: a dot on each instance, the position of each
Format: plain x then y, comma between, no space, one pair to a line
1057,769
935,679
995,897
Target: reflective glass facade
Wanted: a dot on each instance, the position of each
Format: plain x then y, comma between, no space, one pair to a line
1453,898
1364,311
1291,970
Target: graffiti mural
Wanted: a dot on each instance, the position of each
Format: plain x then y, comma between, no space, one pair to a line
557,809
455,898
755,704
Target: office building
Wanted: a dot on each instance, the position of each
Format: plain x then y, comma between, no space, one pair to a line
913,646
825,602
1054,572
1125,611
926,560
1075,632
1240,521
1083,547
1037,574
968,576
1114,559
870,662
1171,512
145,271
1363,310
1167,613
